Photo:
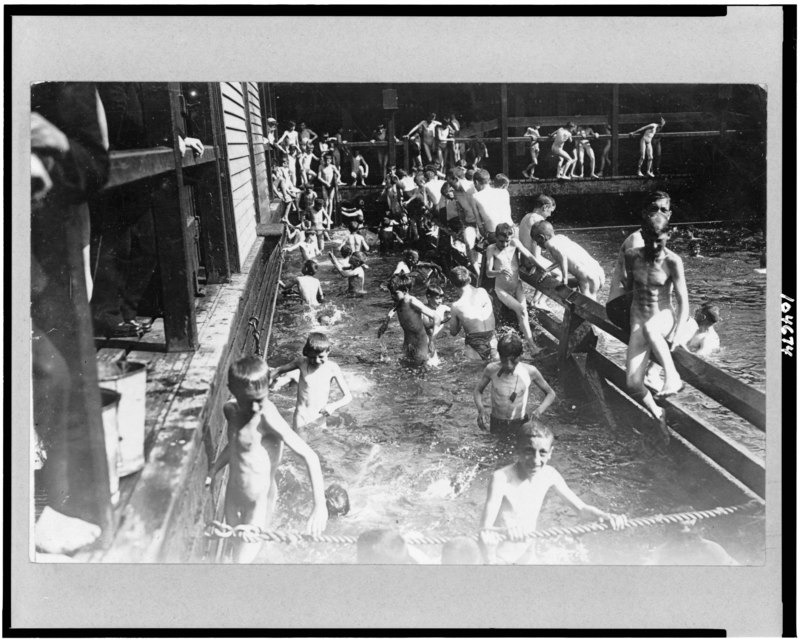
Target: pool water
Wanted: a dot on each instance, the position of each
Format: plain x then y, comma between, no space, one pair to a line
410,454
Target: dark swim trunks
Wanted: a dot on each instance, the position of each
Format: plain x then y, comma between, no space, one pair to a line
481,343
618,311
498,426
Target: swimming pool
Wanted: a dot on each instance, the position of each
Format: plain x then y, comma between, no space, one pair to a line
411,456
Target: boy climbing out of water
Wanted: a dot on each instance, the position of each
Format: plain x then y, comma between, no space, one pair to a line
511,382
409,310
571,258
652,273
308,285
474,313
543,208
316,372
646,145
256,434
355,274
502,264
515,496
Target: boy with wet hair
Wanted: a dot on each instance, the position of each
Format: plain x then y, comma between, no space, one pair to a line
309,248
409,310
511,382
703,339
308,285
571,258
256,434
354,274
502,264
316,372
337,501
474,312
515,496
652,273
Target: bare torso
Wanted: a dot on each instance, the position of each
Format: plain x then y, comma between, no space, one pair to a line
474,311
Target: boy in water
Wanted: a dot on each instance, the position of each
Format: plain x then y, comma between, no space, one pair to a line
511,383
560,137
652,272
309,248
532,132
256,434
474,312
515,496
543,208
388,239
571,258
411,264
354,240
435,299
409,310
308,285
314,384
502,264
354,274
703,339
646,145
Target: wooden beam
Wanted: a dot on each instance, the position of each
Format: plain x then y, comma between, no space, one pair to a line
686,117
406,153
724,451
251,152
615,130
391,134
504,126
129,166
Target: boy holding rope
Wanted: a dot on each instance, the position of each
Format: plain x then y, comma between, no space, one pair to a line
515,496
256,434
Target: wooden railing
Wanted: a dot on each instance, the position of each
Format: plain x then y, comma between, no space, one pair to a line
730,392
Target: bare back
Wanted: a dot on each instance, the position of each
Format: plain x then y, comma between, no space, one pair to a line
473,311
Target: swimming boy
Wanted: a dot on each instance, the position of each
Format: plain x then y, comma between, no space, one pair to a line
702,337
256,434
652,273
314,383
409,310
618,304
646,145
560,137
502,264
532,132
354,274
516,493
511,382
571,258
473,311
308,285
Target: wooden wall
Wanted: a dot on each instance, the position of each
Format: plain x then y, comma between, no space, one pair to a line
259,152
239,164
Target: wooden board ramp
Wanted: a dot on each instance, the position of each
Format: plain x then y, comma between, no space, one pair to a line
724,452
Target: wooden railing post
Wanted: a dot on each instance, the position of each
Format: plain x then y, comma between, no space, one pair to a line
392,145
615,130
406,155
504,125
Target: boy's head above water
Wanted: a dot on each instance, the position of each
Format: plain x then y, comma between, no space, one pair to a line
542,232
657,202
399,285
509,348
309,268
248,379
337,500
460,276
707,314
534,446
544,205
317,348
410,257
435,294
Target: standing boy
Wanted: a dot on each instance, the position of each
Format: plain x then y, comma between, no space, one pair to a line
474,312
256,434
416,344
511,382
515,496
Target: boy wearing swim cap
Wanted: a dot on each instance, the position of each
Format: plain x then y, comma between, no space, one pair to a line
515,496
256,434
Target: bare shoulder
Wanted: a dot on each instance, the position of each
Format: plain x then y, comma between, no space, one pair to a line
673,258
491,369
229,409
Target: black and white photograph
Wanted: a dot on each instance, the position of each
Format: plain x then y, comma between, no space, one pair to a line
512,323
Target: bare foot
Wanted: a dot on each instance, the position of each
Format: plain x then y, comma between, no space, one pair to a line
526,174
59,534
668,390
595,176
639,173
663,431
650,174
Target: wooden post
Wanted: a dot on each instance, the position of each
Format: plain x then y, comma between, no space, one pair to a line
392,145
504,125
406,154
615,130
251,152
175,231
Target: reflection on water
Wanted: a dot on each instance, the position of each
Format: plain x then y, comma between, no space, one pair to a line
411,456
